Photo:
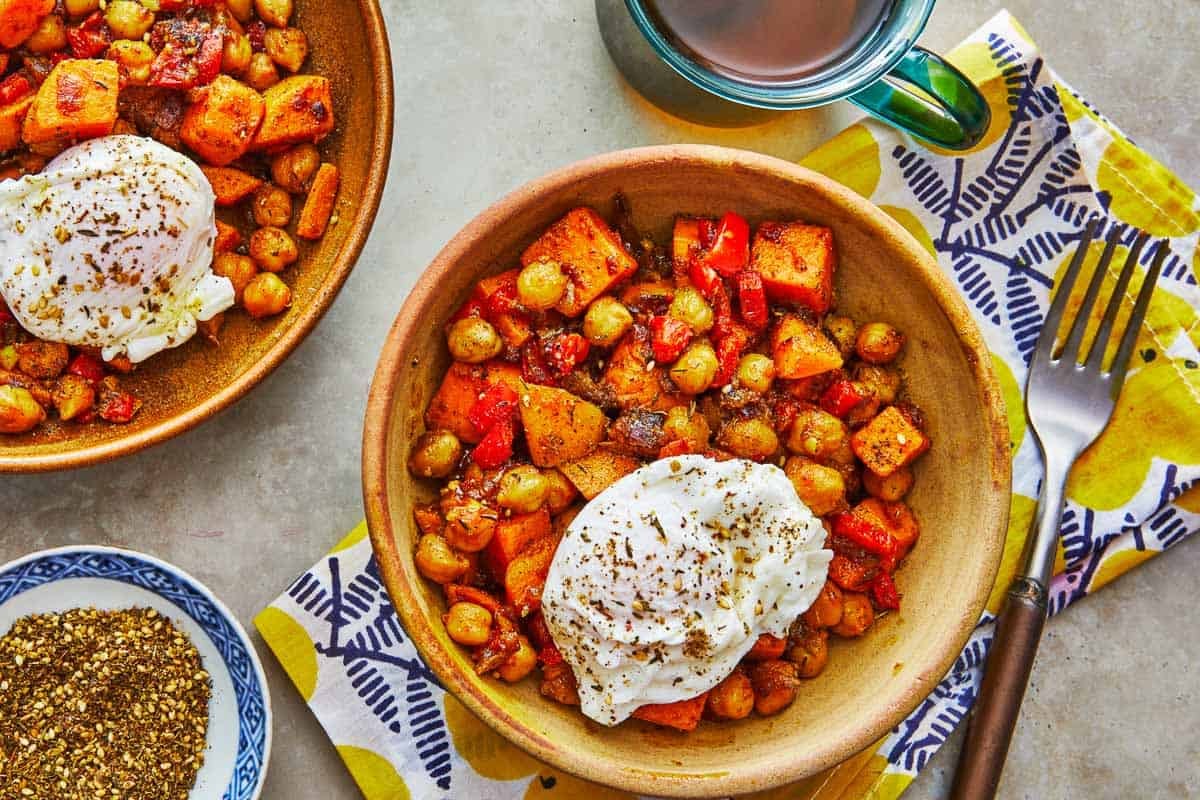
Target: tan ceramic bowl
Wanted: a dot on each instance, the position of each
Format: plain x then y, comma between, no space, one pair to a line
961,494
183,387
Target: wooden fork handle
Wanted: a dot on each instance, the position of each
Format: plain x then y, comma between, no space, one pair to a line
999,703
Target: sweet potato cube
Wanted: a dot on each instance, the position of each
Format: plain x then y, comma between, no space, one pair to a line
895,517
222,120
590,253
796,262
78,100
230,185
20,18
633,383
11,117
513,535
559,426
526,574
888,442
228,238
298,109
598,470
682,715
318,205
801,349
685,241
461,387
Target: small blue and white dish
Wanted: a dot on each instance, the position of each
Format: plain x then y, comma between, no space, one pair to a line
239,726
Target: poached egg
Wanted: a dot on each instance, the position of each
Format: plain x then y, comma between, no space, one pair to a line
111,246
665,580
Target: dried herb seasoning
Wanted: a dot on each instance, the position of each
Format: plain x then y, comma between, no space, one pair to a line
101,704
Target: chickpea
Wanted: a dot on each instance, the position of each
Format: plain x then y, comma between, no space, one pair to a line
520,663
691,307
756,372
826,610
816,433
857,615
266,295
261,73
240,270
51,35
273,249
523,489
821,488
271,206
287,47
541,285
843,332
766,648
291,169
683,423
274,12
437,561
468,624
891,488
19,412
810,652
235,58
881,383
474,340
134,59
81,8
8,357
775,685
73,395
693,373
878,343
128,19
241,9
732,698
470,525
561,492
752,438
606,321
435,454
42,360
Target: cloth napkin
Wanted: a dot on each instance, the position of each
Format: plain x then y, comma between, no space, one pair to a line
1002,221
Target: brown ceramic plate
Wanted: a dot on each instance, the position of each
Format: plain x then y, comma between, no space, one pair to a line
961,494
183,387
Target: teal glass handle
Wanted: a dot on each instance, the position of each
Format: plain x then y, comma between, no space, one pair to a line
954,115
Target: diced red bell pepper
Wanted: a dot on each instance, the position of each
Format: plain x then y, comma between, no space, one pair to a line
472,308
90,38
496,447
679,447
256,32
173,68
722,308
841,398
503,300
498,402
87,366
550,655
6,316
567,351
118,407
730,251
539,634
708,232
13,88
704,278
668,338
868,536
732,341
883,591
533,364
752,299
184,5
208,58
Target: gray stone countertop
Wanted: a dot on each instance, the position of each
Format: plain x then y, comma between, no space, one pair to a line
489,95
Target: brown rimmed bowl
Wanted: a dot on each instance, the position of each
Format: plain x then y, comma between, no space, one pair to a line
961,494
183,387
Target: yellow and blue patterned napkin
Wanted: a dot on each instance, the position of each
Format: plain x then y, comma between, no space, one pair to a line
1002,221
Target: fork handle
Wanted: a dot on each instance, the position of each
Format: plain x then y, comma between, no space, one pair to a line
990,730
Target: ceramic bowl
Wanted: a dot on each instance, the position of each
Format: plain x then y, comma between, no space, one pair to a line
109,578
183,387
961,494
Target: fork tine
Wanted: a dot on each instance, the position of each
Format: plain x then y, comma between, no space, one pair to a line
1100,343
1079,324
1045,343
1121,361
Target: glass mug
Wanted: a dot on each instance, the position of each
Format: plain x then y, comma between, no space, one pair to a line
885,74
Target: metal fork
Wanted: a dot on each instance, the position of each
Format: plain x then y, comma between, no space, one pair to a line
1069,399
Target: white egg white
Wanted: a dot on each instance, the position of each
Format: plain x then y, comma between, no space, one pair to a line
664,581
111,246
